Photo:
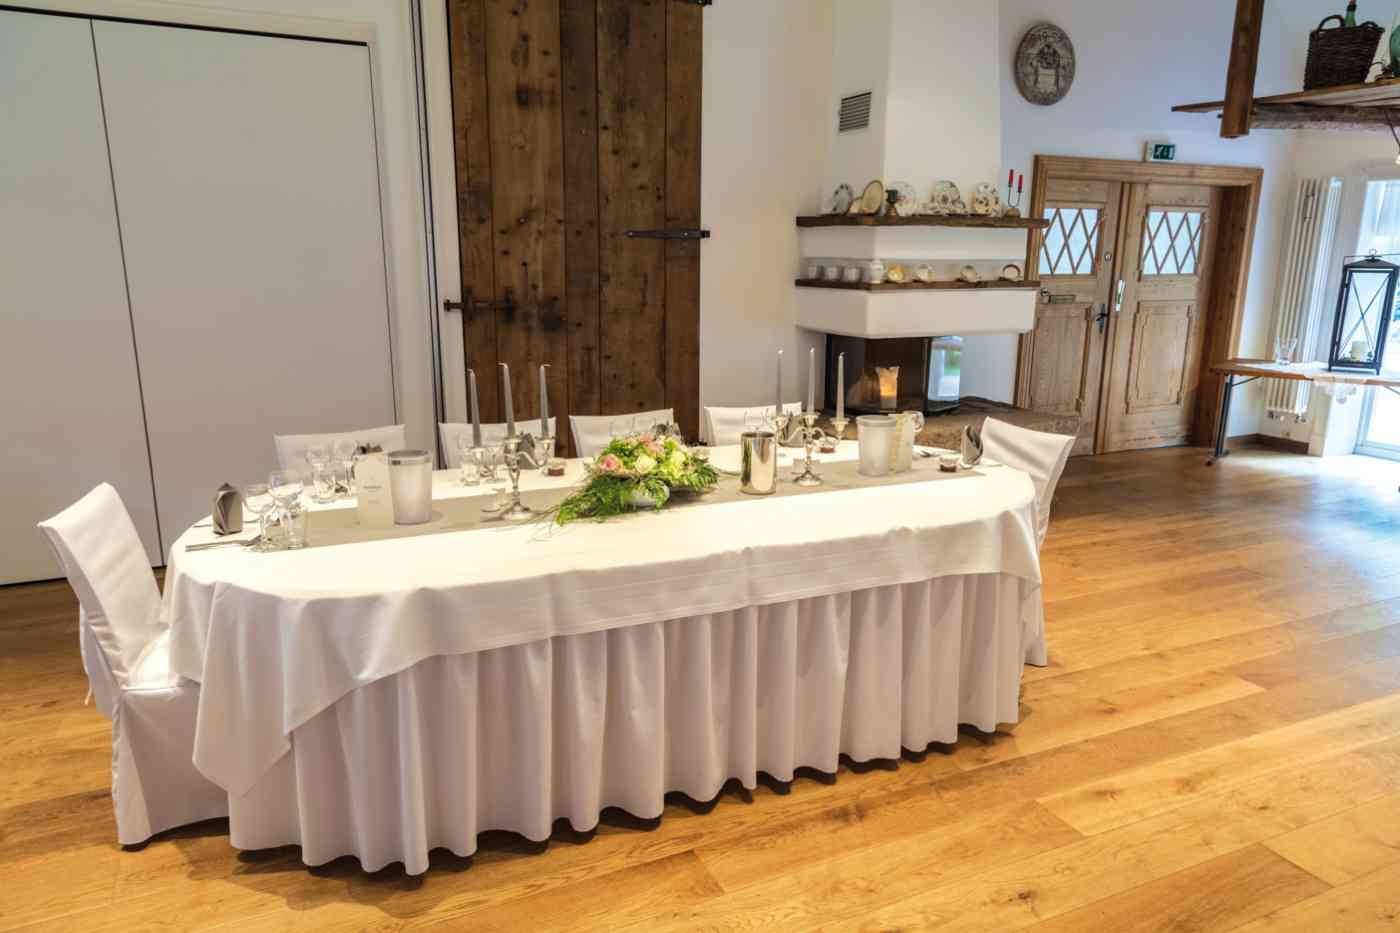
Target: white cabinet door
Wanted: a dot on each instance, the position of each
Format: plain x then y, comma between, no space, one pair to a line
69,395
247,177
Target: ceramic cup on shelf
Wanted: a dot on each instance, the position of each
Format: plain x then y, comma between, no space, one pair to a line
831,271
851,274
874,272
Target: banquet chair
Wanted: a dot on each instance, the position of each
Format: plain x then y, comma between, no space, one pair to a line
291,448
126,654
491,436
722,426
1042,456
592,432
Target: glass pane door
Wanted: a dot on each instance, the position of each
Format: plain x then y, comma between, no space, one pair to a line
1380,231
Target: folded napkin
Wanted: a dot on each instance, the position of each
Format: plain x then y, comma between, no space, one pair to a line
227,511
971,445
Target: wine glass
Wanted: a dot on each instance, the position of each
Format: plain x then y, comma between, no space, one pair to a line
471,460
257,497
286,487
344,451
318,455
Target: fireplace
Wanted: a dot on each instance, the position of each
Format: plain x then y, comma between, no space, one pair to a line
895,373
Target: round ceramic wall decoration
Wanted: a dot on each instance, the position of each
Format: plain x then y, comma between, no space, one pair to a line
1045,64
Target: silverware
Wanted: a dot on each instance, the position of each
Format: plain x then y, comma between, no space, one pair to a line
206,545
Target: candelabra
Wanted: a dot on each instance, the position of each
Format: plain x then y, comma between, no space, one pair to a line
811,437
515,449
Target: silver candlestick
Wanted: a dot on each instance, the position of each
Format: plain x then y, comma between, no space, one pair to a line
811,437
513,452
838,428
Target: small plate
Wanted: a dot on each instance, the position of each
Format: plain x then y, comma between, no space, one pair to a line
872,197
841,199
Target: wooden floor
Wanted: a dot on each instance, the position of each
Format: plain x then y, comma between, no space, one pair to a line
1216,747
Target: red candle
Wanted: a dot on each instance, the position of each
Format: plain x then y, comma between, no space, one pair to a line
1010,177
1020,182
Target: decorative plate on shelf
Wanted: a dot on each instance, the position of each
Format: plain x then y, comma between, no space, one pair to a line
1044,64
841,199
907,203
871,198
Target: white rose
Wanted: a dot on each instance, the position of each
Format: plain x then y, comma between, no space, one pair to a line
678,459
644,465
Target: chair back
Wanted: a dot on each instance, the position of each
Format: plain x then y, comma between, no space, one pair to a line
593,432
1037,453
491,436
101,553
722,426
291,448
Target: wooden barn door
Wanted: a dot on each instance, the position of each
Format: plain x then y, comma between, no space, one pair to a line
577,139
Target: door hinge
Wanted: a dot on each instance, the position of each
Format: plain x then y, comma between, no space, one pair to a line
469,305
698,2
667,234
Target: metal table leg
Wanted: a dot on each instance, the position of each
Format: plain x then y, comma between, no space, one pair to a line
1227,389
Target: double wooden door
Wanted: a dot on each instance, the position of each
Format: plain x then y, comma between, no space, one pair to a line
577,138
1120,324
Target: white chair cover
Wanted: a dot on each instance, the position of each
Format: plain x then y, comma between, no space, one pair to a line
1042,456
722,426
126,655
291,448
592,432
491,436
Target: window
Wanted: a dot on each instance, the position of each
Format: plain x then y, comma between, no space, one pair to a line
1171,242
1380,231
1071,242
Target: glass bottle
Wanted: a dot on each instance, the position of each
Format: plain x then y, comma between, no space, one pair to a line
1351,14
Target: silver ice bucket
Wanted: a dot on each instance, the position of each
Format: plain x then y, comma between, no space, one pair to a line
758,465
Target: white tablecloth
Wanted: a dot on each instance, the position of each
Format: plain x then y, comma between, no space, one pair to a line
275,640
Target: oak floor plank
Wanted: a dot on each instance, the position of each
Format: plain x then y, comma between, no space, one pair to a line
1365,905
1347,846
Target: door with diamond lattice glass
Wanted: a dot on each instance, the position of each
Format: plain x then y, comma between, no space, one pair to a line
1153,368
1066,349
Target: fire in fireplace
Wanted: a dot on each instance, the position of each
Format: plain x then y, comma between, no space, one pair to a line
896,373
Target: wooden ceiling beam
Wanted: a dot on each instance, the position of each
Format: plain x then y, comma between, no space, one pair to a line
1244,64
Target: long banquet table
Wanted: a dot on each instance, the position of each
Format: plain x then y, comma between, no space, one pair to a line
385,698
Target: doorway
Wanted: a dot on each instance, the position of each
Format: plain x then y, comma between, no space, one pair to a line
1380,232
1142,269
576,127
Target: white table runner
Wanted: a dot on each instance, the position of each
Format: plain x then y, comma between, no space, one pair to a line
275,639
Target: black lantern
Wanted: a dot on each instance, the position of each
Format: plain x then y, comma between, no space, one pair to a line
1364,308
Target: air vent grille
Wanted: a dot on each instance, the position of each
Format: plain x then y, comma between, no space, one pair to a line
855,112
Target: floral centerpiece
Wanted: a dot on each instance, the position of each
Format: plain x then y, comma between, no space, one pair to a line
637,471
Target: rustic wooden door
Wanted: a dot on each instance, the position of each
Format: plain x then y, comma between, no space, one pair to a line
1071,320
1158,326
577,142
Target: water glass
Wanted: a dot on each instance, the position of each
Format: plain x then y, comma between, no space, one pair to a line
286,487
325,484
1283,349
257,498
344,453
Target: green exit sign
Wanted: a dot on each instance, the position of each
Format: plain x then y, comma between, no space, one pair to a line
1161,152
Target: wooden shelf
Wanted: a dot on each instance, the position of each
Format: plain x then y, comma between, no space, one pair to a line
995,284
924,220
1371,106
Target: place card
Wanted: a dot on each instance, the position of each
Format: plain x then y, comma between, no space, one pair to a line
374,497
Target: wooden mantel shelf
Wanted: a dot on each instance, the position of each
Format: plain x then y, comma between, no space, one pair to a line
918,286
1371,106
923,220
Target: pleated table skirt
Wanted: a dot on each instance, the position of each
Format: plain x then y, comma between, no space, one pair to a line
516,737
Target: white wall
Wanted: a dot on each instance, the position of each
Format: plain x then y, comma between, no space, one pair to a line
385,24
1135,60
767,108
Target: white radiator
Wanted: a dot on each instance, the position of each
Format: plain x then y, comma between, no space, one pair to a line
1303,286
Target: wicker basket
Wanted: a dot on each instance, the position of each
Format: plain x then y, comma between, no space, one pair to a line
1340,56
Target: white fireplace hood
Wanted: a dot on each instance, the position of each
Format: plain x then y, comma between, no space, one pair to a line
875,314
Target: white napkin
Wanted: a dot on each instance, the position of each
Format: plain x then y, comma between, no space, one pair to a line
971,445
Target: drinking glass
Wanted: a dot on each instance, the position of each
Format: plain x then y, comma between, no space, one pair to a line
324,483
344,451
257,498
1283,349
318,455
286,487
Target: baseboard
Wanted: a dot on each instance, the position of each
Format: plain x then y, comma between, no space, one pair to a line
1267,441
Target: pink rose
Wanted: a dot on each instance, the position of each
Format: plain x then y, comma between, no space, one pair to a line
610,464
652,447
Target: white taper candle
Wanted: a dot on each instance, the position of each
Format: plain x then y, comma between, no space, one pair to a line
476,409
509,403
812,380
544,402
840,385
